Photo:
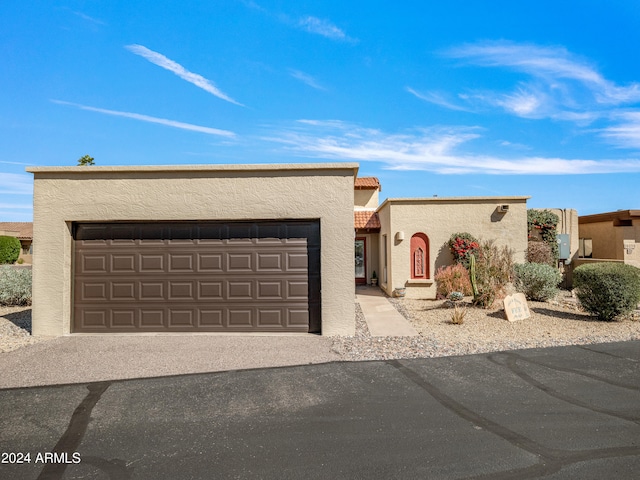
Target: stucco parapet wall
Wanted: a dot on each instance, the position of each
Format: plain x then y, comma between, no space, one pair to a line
206,168
443,200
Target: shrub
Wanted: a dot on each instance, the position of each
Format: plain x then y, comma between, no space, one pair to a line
607,289
453,278
493,270
462,245
15,286
537,281
456,296
457,317
546,222
540,252
9,249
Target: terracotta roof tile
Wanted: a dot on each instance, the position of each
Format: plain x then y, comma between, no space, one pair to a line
24,229
366,183
366,220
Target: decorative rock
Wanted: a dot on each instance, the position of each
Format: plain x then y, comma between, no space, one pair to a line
516,308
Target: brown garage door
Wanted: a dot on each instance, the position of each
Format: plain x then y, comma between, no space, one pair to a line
197,277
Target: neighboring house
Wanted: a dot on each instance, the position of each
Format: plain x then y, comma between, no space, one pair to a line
24,232
237,248
611,236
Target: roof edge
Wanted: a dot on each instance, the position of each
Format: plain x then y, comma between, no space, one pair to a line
248,167
519,198
609,216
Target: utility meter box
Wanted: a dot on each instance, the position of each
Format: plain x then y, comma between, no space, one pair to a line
564,249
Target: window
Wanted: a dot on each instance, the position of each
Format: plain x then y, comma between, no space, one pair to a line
384,269
420,256
585,248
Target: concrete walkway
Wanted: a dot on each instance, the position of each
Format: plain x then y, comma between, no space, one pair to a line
382,318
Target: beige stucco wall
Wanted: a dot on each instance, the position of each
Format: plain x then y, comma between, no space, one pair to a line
632,238
63,195
438,218
365,198
605,239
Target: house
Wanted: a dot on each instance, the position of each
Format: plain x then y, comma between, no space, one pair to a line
237,248
404,239
23,231
611,236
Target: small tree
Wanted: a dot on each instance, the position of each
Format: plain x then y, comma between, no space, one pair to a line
491,273
9,249
85,161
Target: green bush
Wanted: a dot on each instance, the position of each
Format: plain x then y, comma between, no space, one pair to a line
15,286
9,249
607,290
493,270
537,281
453,278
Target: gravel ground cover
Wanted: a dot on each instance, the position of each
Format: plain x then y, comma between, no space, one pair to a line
551,324
15,328
484,330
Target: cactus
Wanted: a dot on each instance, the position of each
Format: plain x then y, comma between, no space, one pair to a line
472,276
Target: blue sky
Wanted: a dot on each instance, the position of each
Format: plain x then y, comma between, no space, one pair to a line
538,98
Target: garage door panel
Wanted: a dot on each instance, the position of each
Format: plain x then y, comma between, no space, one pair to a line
94,319
269,290
297,290
210,290
123,318
240,317
239,262
152,319
181,318
211,318
153,283
210,262
96,263
297,317
181,262
271,317
94,291
123,291
240,290
181,291
151,263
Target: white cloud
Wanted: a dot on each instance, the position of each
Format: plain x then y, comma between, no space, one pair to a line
16,184
522,103
626,133
435,98
321,27
168,64
435,150
147,118
561,85
89,19
306,78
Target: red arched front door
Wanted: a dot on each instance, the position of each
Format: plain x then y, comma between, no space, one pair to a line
420,256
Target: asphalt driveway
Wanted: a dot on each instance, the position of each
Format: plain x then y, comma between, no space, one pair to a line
558,413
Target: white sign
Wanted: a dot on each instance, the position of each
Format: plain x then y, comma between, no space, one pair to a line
516,308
